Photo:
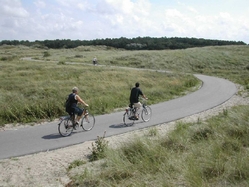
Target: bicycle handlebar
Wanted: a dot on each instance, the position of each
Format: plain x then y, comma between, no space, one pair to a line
143,99
82,106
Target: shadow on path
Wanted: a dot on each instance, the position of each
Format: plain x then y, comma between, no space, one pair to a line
52,136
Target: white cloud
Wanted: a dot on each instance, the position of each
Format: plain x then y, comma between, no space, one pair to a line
12,9
40,4
91,19
83,5
176,23
191,9
121,6
222,26
124,17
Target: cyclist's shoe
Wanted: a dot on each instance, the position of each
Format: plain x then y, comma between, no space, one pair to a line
134,118
86,114
74,126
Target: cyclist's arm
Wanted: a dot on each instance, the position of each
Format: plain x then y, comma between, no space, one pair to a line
143,96
80,100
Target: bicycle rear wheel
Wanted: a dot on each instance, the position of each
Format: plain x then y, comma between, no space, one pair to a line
87,122
65,127
128,121
146,113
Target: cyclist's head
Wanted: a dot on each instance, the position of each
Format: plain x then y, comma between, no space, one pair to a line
75,89
137,84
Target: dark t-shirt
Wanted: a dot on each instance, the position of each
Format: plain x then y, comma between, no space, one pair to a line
135,93
72,103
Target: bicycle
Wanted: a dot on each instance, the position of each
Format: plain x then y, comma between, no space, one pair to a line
129,117
67,123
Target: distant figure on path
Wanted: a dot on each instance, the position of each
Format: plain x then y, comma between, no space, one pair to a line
95,61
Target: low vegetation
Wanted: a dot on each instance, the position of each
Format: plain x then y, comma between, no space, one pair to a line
211,153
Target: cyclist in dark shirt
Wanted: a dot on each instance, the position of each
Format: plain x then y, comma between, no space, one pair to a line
134,98
73,108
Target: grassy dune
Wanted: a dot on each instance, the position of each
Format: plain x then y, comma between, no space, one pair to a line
209,153
229,62
35,88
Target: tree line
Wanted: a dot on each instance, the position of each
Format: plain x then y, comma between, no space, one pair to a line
138,43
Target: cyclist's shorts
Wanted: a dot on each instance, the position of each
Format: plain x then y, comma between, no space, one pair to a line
78,111
137,105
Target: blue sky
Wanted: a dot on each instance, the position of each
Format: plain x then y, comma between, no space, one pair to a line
96,19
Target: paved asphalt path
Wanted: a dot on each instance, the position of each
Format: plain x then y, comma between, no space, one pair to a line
29,140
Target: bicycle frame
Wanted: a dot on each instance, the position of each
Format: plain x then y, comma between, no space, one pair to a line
129,114
67,123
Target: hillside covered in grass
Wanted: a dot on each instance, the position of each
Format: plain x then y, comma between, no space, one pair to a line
35,82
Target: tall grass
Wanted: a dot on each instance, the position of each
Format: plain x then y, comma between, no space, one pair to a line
34,90
212,153
230,62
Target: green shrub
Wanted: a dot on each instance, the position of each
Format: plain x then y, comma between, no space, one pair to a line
4,58
99,148
46,54
61,63
75,164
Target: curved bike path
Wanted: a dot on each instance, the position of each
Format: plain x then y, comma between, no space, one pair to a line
29,140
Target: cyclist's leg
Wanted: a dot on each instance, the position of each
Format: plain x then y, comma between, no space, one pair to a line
79,112
71,113
137,107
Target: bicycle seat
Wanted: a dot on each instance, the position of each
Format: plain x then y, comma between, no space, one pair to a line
131,105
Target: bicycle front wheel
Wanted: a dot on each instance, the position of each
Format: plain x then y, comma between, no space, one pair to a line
88,122
65,127
146,113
